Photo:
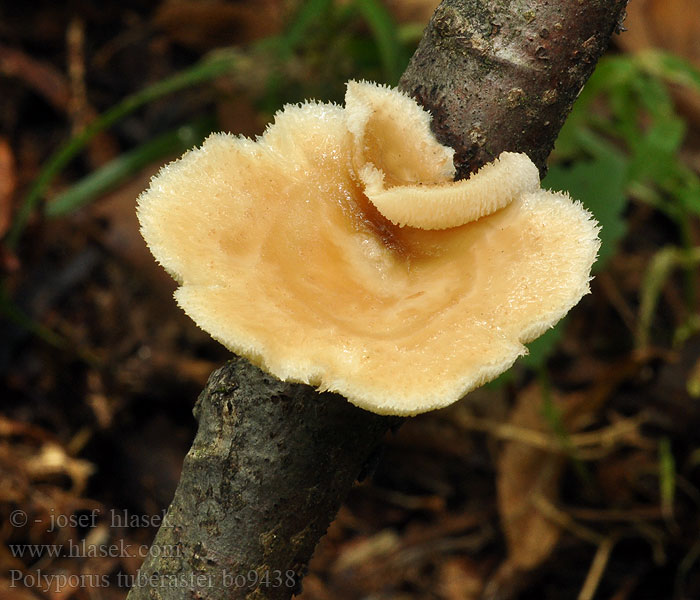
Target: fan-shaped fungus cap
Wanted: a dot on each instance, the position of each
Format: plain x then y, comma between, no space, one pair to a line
286,252
408,175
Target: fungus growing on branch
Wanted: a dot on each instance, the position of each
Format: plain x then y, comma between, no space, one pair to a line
408,175
337,251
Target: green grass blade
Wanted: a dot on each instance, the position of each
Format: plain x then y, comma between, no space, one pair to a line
10,311
205,70
671,68
667,477
658,272
410,34
386,36
308,14
13,314
554,419
110,175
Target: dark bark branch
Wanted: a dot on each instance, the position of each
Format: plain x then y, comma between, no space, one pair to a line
503,75
268,470
273,461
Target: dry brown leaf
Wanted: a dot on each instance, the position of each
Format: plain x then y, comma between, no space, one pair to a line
618,477
10,590
8,428
368,549
412,11
52,85
670,24
460,579
40,76
52,460
525,472
8,183
213,23
529,476
39,456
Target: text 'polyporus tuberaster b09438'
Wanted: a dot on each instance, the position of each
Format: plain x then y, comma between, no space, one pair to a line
337,250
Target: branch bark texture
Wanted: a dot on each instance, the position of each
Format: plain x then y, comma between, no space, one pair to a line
268,470
272,461
503,75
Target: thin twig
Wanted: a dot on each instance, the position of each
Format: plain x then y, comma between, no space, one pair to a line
595,573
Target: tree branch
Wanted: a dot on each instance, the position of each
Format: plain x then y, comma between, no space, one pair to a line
268,470
273,461
503,75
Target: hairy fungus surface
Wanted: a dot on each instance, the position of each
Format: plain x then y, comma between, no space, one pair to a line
336,250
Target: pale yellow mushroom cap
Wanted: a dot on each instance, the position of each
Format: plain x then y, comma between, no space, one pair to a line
282,257
408,175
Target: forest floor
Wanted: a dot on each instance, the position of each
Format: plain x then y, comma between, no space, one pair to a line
576,476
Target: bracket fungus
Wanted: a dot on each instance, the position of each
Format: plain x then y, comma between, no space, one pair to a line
337,250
